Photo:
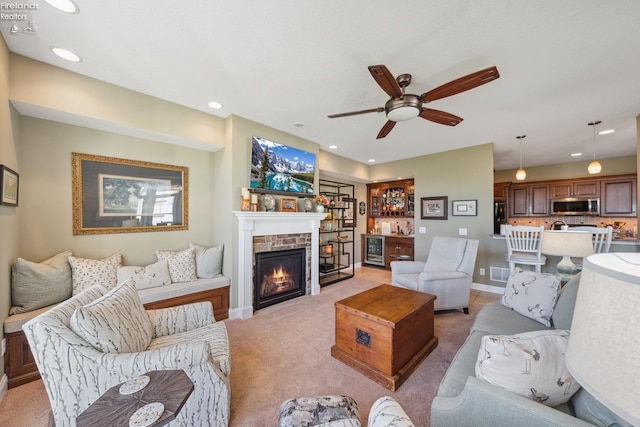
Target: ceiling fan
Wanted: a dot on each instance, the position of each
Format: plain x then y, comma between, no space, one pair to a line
401,106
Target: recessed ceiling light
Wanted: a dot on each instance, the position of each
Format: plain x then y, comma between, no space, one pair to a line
215,105
606,131
333,147
66,54
64,5
298,124
371,160
576,154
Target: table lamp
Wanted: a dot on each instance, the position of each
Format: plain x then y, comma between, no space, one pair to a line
604,347
567,244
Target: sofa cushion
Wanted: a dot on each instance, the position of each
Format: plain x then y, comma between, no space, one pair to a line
182,264
208,260
151,276
497,319
462,366
530,364
88,272
532,294
39,284
563,311
114,323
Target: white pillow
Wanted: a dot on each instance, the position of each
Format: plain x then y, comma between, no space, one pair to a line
532,294
530,364
182,264
88,272
38,284
116,322
208,261
151,276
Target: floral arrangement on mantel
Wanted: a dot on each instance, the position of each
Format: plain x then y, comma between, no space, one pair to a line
322,201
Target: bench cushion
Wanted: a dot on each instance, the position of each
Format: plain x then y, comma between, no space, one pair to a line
179,289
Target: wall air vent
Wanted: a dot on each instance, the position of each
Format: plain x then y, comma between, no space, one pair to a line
498,274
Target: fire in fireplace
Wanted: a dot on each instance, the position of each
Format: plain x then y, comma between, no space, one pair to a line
279,276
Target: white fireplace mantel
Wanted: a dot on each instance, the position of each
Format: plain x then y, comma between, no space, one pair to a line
265,224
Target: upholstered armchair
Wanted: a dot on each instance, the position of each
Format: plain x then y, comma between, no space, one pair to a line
75,373
447,272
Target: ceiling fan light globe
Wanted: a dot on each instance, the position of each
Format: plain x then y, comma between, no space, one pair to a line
594,167
521,174
403,109
401,114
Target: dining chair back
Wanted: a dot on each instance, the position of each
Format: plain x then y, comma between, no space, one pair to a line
524,244
601,240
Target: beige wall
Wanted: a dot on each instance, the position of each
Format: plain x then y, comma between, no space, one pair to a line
9,216
44,152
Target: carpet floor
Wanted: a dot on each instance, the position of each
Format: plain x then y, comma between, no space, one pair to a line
283,351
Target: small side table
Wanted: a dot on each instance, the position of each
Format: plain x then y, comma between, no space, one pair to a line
172,388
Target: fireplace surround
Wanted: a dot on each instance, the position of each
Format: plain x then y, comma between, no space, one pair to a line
279,276
252,224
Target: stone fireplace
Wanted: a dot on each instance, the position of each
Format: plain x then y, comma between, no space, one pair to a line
254,224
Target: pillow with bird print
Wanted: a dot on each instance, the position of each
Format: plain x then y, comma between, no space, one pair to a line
532,294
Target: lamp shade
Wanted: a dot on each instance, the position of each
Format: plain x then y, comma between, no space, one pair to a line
604,347
567,243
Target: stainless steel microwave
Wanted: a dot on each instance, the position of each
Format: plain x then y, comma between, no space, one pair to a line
575,206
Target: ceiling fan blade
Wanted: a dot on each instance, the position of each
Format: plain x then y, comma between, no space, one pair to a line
441,117
462,84
385,80
386,129
353,113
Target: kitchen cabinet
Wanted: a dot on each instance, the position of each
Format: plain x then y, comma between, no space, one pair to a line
397,249
577,188
501,192
618,196
528,200
337,232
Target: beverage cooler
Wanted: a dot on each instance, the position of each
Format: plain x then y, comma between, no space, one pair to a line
374,250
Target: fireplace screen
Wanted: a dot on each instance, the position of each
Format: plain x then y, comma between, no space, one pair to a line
279,276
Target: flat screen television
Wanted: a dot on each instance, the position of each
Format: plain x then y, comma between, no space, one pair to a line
280,168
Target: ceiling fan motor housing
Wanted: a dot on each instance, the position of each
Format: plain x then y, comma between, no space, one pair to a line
405,108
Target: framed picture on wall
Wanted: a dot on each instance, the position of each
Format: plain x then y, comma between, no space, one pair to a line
434,207
111,195
9,184
464,208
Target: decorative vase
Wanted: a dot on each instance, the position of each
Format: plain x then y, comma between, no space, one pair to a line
320,208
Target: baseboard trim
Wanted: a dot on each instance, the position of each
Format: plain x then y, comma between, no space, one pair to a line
4,386
488,288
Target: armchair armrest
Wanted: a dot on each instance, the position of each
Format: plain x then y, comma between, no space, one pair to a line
483,404
427,276
407,267
386,411
182,318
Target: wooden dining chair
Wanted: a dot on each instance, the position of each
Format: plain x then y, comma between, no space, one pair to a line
524,244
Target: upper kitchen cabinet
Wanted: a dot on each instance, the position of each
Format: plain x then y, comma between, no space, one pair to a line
618,196
577,188
501,192
528,200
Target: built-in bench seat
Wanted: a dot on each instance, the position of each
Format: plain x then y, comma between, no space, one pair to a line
20,366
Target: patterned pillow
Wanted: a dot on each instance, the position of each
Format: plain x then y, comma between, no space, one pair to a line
208,261
116,322
35,285
530,364
532,294
182,264
88,272
151,276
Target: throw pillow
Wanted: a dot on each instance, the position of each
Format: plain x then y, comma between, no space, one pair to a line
116,322
35,285
88,272
532,294
151,276
208,261
530,364
182,264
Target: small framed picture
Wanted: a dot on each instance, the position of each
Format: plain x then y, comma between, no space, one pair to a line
434,207
288,204
9,184
464,208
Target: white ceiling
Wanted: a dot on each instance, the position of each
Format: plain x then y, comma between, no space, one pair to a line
562,64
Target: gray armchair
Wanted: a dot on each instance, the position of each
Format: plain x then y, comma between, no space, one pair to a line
447,273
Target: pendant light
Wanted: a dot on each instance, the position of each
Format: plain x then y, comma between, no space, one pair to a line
521,174
594,166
